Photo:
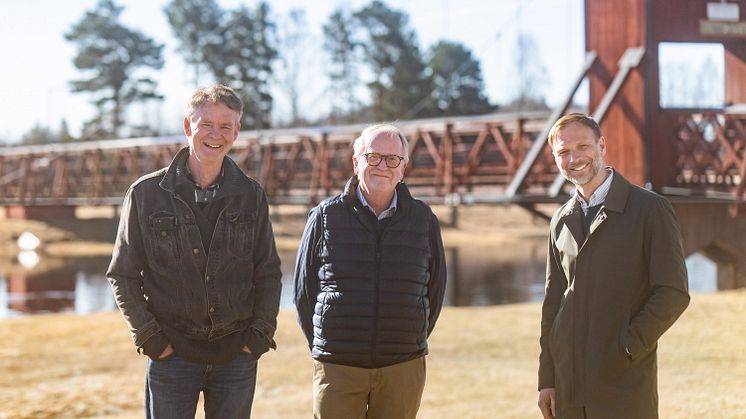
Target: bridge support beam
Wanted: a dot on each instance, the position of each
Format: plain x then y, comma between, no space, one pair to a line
710,230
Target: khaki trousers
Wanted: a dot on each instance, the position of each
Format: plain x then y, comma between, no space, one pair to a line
393,392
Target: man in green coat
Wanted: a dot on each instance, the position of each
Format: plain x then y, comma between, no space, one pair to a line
616,281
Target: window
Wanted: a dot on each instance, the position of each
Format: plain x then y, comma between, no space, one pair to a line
691,75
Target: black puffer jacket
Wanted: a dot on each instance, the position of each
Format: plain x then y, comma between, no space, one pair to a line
368,292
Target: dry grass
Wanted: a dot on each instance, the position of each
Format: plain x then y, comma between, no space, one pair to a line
482,362
482,365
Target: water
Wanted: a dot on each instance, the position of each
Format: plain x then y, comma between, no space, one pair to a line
78,285
478,275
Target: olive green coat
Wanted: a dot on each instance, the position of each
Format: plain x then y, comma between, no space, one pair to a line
618,290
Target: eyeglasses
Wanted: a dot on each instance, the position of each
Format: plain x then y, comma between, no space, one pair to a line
392,160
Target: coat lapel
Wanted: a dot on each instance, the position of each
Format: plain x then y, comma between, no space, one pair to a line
600,218
615,201
573,221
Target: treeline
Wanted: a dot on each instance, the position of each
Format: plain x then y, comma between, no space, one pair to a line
372,50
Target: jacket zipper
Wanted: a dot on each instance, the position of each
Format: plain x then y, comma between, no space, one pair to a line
375,300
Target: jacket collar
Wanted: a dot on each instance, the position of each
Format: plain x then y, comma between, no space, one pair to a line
615,201
234,180
349,193
366,217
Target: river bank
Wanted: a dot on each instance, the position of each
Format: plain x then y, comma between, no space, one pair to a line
482,365
93,230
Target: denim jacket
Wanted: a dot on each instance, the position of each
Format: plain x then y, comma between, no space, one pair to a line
162,279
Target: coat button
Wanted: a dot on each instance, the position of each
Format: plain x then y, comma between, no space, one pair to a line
164,234
195,251
207,278
212,309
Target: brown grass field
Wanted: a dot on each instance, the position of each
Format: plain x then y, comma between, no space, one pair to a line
482,361
482,365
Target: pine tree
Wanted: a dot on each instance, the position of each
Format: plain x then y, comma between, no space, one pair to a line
459,87
112,56
198,25
342,49
401,88
237,47
248,55
39,134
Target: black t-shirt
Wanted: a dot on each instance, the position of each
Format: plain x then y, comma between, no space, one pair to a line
211,202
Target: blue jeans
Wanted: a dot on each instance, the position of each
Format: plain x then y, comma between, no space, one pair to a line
172,388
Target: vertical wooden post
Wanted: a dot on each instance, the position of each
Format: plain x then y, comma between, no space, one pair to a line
324,175
448,159
26,178
265,177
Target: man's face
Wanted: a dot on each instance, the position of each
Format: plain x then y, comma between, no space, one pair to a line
380,180
211,132
578,155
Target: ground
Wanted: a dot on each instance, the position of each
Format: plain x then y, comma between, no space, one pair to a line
482,364
482,361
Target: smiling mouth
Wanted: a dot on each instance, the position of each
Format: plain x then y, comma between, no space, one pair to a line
213,146
577,169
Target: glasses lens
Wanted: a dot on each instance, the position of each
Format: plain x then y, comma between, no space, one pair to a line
392,161
373,159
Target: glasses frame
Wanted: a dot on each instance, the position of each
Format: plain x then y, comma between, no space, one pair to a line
390,159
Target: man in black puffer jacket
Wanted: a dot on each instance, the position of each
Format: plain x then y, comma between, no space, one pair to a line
369,285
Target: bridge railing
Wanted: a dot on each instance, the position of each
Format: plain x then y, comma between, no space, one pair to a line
711,153
465,159
449,157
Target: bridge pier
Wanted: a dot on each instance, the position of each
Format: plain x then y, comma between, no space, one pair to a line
39,212
710,230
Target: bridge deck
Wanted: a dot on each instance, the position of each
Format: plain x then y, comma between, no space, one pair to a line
452,160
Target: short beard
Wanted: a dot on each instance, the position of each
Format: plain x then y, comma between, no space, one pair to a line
596,167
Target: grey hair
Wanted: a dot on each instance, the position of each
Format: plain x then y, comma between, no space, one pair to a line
217,93
370,133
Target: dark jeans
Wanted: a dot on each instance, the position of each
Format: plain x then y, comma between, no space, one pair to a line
172,388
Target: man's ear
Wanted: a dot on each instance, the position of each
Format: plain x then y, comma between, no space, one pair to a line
187,127
354,164
238,129
602,145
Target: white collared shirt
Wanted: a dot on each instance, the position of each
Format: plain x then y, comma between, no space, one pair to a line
388,212
598,196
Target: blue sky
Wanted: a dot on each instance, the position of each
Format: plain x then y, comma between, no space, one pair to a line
37,60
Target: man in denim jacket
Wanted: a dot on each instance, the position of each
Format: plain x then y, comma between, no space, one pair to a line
195,271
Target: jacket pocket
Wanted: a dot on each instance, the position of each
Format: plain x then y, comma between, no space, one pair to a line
242,297
164,241
240,228
624,344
